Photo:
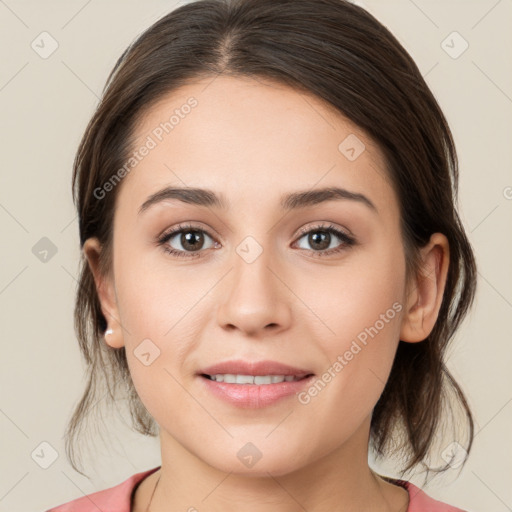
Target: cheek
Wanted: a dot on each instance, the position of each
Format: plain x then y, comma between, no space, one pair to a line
366,317
353,297
153,294
160,310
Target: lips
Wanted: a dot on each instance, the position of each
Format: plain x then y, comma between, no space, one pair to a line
261,368
235,385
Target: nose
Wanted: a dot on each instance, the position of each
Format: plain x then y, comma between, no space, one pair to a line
254,298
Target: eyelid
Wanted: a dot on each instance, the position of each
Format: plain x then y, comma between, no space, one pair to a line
320,226
183,226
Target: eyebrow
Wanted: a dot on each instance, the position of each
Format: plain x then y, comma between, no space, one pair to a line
292,201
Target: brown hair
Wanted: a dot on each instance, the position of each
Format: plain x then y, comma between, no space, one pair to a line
344,56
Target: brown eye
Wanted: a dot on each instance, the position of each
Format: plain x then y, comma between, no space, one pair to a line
184,241
320,238
191,240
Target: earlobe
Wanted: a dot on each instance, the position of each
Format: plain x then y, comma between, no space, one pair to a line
106,293
425,294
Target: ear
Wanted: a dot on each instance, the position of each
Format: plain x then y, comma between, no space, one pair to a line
106,293
425,293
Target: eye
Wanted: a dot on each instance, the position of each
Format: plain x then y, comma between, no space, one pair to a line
321,238
191,240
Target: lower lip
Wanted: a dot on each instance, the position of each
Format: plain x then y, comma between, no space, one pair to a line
253,396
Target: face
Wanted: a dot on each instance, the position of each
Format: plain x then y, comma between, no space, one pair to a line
316,285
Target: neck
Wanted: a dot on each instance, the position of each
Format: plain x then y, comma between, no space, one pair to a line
339,481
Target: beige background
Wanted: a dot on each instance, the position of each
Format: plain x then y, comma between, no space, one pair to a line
45,104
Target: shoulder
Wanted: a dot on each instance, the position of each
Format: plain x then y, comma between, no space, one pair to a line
419,501
113,499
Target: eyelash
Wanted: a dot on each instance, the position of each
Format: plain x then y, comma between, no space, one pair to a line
347,240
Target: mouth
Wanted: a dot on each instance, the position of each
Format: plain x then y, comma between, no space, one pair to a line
245,372
258,380
254,384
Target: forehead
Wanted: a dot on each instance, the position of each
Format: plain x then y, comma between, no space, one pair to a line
252,139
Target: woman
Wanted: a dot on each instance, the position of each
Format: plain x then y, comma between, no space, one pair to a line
273,261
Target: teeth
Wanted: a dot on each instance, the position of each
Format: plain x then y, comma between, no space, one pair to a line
251,379
244,379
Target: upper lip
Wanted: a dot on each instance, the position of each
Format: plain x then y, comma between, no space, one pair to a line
240,367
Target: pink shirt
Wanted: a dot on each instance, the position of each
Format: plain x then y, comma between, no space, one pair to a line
119,498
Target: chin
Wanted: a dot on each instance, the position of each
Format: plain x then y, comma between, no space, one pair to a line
251,460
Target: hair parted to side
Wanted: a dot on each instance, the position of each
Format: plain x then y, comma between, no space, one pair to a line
344,56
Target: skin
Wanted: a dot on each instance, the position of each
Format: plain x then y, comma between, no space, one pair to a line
254,141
